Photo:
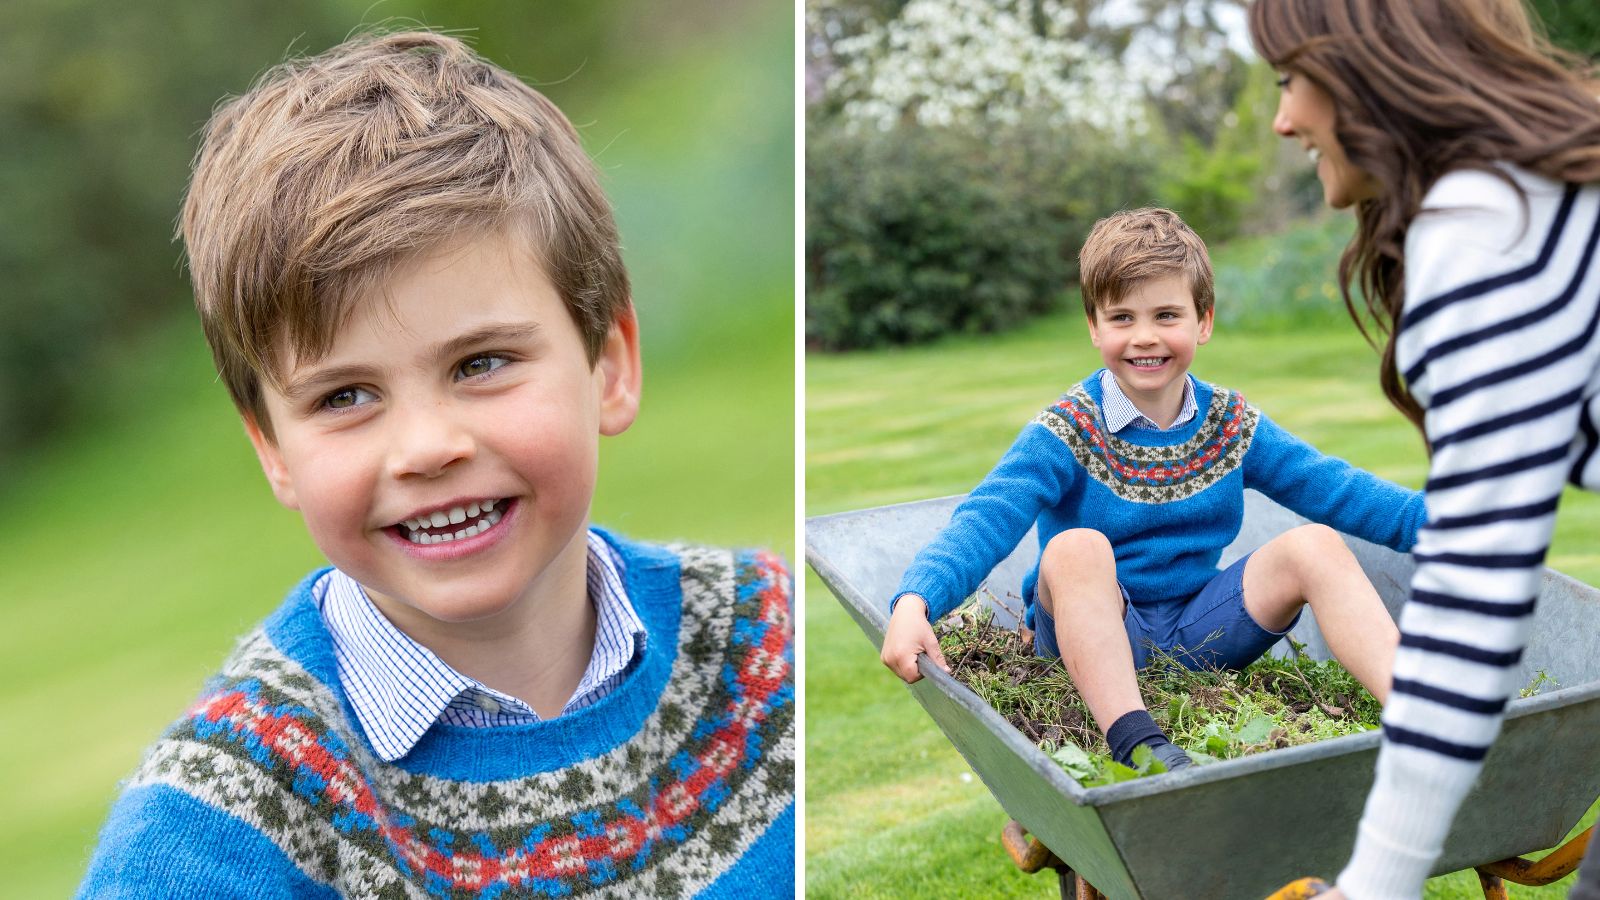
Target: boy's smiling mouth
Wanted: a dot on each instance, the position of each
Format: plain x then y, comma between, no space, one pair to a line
1148,362
452,523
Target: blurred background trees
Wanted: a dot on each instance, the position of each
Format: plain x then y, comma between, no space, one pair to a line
102,109
958,151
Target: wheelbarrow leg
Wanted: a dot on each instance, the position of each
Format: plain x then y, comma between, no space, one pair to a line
1494,887
1030,856
1557,864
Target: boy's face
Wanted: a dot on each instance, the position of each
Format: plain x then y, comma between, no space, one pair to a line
462,385
1148,338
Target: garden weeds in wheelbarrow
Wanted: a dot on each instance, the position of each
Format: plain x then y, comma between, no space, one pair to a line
1212,714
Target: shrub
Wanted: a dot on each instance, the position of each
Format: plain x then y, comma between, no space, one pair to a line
1284,280
917,232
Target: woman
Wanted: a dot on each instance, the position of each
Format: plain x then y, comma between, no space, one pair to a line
1470,154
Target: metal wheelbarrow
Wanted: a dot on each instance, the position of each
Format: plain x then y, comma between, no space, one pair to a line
1255,823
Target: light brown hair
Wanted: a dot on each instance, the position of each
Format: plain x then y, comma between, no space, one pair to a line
310,188
1421,88
1137,245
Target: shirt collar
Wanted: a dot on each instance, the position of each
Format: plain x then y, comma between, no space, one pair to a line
1119,411
399,688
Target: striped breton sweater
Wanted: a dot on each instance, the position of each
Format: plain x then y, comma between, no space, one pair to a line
680,782
1497,341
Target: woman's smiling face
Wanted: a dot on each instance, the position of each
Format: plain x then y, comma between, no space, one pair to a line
1306,113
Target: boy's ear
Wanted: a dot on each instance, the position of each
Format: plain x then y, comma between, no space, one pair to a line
1206,322
271,464
1094,334
620,374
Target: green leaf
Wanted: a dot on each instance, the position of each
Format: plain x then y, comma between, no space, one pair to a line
1255,731
1075,760
1117,772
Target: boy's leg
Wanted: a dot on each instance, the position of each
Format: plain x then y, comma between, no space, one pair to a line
1311,565
1078,590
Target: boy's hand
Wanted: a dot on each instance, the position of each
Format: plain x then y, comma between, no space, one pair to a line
909,635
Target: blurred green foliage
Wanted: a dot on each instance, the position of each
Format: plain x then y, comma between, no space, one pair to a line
1571,24
1286,280
919,232
103,107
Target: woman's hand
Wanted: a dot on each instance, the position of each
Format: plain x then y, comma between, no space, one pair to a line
908,636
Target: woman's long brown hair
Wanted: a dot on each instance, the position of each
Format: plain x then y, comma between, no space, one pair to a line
1422,88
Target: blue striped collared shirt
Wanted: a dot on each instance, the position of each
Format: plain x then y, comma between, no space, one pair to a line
1119,411
399,688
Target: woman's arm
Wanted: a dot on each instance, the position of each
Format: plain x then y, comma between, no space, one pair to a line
1497,344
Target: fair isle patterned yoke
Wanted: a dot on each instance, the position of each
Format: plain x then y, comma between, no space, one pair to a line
661,814
1154,474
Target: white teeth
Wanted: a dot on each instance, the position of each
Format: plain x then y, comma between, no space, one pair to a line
1315,154
455,516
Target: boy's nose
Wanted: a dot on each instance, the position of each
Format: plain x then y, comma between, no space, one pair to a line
426,442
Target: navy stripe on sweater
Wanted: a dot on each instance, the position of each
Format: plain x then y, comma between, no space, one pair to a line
1510,467
1464,702
1481,607
1421,311
1459,650
1484,560
1490,517
1468,752
1515,323
1501,423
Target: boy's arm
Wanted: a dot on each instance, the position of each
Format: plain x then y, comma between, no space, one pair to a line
1330,491
987,526
1033,474
161,842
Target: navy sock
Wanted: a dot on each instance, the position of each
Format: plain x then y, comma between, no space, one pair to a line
1131,730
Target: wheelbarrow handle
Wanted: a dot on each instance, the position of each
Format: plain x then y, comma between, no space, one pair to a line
1556,865
1029,855
1301,889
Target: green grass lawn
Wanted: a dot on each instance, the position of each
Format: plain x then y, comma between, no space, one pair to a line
891,809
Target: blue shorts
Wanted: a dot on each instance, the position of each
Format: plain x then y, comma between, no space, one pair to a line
1213,630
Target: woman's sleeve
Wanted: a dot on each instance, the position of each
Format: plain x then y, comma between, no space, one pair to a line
1496,343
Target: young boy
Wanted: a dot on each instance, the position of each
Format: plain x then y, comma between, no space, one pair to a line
1136,481
412,286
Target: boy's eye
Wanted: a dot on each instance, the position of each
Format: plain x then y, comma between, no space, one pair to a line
1283,80
347,398
480,365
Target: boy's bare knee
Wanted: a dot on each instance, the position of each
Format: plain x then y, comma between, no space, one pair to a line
1315,543
1078,547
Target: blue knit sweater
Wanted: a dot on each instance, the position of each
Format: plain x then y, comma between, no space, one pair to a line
1168,501
680,782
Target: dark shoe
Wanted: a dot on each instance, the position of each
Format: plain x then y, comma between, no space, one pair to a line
1173,756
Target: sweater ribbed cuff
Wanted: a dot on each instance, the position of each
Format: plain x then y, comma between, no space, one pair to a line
1413,802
